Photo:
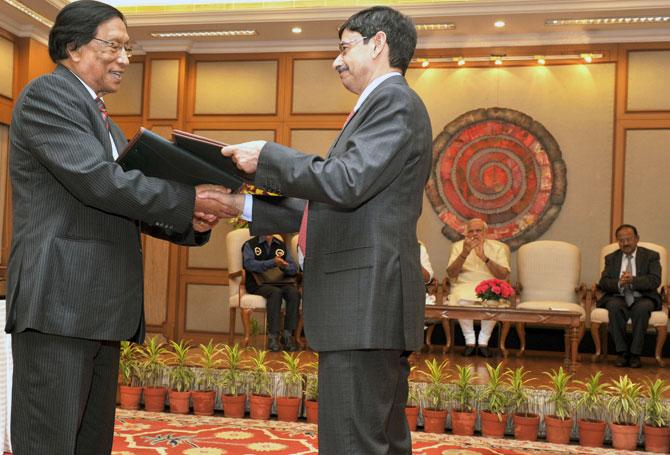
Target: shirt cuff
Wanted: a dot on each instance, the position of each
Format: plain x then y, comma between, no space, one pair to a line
248,207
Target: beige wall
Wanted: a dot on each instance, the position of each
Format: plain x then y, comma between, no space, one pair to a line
4,151
648,80
6,67
646,188
575,103
128,100
317,88
164,89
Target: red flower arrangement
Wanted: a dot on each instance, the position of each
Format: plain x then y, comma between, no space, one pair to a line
494,289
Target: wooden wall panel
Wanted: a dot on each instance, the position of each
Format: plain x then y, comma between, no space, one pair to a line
316,142
317,89
128,100
648,81
6,68
164,89
156,272
212,255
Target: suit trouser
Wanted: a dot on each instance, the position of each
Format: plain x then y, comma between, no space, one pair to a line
64,394
362,398
619,313
273,294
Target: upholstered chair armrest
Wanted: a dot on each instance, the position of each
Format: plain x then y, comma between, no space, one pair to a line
240,273
664,298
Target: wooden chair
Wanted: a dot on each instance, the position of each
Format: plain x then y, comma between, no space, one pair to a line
238,296
549,273
432,288
658,320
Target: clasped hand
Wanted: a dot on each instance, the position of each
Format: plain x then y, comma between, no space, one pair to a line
213,202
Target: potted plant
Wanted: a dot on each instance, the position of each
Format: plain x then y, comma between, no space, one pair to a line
130,390
525,423
495,401
624,408
559,425
233,397
463,415
590,408
656,415
312,392
495,292
153,366
204,394
181,378
288,402
435,396
413,399
254,331
260,401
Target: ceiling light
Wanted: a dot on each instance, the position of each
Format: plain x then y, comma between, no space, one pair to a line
540,59
205,34
461,61
499,24
588,58
25,10
500,59
609,20
497,59
434,27
425,64
296,30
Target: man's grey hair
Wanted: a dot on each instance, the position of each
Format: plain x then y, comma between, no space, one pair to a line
467,226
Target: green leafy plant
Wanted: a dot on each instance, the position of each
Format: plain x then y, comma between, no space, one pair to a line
208,378
592,398
435,392
495,394
260,372
518,388
464,388
255,328
293,377
153,362
559,393
232,377
624,405
128,363
181,376
655,413
312,381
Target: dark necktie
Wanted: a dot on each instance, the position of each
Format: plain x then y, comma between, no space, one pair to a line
628,294
302,234
103,111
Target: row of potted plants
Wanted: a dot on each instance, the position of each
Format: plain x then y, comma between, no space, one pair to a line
142,370
620,405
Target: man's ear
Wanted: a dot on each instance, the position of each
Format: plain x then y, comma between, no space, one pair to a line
73,52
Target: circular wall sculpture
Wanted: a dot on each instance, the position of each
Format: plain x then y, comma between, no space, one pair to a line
499,165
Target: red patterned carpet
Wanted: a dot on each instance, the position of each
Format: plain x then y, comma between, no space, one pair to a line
144,433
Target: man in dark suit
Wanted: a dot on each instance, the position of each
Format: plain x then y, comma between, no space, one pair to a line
630,282
363,297
75,270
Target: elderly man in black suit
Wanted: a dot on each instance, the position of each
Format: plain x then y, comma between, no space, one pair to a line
75,286
630,282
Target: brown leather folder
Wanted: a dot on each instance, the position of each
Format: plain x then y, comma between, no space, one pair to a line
192,160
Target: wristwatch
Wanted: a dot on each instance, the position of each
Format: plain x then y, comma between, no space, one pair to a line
487,260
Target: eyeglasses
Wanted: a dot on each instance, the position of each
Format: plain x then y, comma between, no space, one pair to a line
344,45
116,48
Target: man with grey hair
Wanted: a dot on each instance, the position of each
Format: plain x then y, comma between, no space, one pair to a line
472,260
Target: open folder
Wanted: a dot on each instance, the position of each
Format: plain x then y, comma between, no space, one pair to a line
191,159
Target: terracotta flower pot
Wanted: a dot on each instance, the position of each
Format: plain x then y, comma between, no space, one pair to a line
154,399
591,433
558,430
287,409
312,411
657,439
434,420
203,402
233,405
525,426
260,406
180,402
130,396
492,426
412,413
463,423
624,437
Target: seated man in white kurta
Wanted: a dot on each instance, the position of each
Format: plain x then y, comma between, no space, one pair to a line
473,259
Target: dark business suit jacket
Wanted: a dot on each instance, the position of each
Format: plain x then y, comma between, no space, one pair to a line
75,267
363,287
646,281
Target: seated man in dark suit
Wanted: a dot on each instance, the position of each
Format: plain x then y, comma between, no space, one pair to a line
630,282
265,256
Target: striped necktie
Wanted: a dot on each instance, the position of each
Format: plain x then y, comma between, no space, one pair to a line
628,294
103,111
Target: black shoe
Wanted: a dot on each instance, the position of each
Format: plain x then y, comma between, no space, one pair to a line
469,351
273,343
622,360
289,343
485,352
634,361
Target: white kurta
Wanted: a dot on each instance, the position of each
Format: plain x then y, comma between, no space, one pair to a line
474,270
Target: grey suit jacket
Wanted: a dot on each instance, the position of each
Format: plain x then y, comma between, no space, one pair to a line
75,267
363,287
647,275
